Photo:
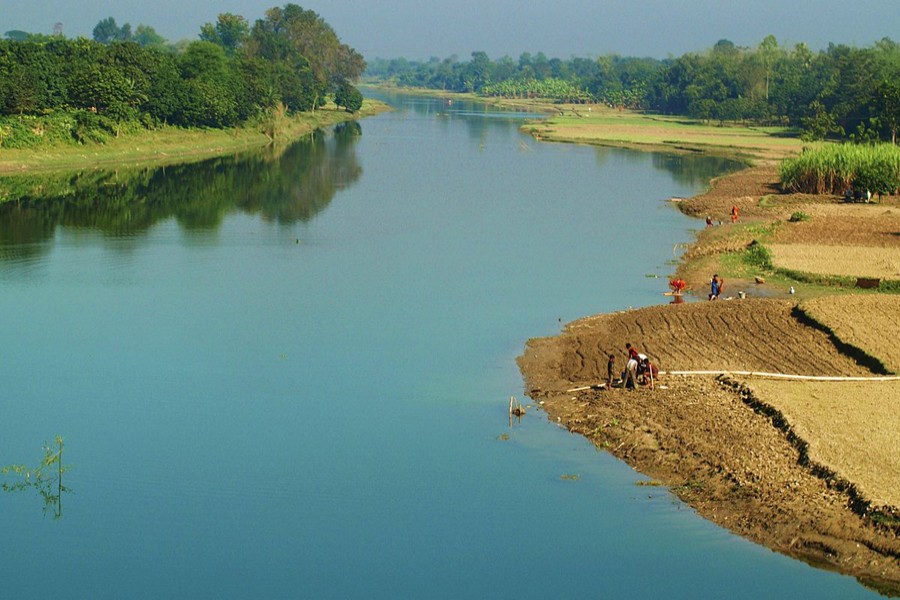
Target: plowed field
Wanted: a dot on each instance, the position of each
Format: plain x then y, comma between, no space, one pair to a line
739,335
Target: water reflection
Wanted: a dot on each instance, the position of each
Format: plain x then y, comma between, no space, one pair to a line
694,170
286,185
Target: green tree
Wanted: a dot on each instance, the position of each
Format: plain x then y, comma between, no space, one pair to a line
330,61
349,97
106,31
230,32
819,123
17,35
887,106
213,89
146,36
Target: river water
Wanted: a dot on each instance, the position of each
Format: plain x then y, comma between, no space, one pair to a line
287,375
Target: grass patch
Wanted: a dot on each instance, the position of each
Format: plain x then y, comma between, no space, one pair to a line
798,216
171,145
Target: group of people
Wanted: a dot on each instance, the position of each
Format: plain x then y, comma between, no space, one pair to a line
638,370
855,194
734,217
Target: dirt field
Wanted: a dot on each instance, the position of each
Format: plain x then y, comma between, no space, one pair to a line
870,322
740,335
698,436
835,224
851,428
850,261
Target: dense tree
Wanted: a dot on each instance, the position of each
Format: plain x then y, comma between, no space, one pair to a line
830,92
349,97
309,36
85,90
887,106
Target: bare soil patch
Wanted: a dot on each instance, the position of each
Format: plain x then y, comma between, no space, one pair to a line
870,322
844,225
848,261
851,428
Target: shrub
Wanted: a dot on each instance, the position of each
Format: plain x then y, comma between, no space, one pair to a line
758,256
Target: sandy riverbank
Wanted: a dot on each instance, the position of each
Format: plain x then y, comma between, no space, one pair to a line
769,461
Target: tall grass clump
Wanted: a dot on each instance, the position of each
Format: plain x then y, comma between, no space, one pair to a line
834,168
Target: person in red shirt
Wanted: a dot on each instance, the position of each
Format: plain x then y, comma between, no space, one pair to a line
632,353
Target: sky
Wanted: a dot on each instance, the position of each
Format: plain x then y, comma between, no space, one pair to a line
420,29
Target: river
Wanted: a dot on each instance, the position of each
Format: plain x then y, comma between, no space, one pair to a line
286,375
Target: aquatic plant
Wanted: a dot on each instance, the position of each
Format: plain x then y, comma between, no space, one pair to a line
46,478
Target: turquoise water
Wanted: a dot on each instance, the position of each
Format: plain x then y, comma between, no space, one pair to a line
288,376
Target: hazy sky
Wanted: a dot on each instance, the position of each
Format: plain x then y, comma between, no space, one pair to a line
419,29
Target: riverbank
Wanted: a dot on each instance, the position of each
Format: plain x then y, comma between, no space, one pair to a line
769,461
172,145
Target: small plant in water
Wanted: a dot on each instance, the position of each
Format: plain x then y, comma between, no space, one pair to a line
46,478
569,477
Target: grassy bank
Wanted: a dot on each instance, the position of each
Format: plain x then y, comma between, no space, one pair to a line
175,145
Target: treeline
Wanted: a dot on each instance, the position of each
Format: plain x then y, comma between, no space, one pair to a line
85,90
841,92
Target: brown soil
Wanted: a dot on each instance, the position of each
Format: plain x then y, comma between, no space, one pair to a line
869,323
765,464
851,428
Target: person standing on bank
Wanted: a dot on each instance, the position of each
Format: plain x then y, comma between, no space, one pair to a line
715,287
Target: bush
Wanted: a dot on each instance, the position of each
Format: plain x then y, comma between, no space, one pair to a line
798,216
758,256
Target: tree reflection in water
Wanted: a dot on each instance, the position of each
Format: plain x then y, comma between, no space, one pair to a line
282,184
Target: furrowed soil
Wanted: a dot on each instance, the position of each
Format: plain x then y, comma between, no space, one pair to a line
772,461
